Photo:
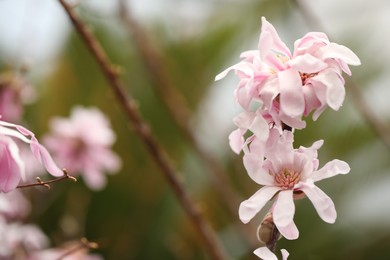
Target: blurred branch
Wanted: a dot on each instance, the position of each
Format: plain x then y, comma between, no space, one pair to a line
143,131
84,244
177,106
381,130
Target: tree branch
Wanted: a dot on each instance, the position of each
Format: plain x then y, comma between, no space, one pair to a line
143,131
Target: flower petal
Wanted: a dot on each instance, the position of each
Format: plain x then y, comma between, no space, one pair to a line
331,169
307,64
265,254
253,164
44,158
284,209
292,102
321,202
250,207
11,165
290,231
236,140
335,90
337,51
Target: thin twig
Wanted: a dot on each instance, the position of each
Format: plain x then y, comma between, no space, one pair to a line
381,130
46,184
143,131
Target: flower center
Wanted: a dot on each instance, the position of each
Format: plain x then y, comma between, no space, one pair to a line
286,179
306,76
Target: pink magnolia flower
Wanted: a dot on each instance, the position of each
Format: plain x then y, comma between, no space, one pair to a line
289,86
83,143
266,254
14,205
11,164
288,173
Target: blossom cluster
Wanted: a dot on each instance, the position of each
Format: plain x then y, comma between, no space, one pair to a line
277,90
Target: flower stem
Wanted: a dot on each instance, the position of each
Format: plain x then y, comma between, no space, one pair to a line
142,129
84,244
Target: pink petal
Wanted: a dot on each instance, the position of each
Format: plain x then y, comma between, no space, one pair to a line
331,169
244,67
285,254
292,102
44,158
250,207
290,231
253,164
260,128
337,51
270,40
335,91
265,254
236,140
284,209
321,202
307,64
11,165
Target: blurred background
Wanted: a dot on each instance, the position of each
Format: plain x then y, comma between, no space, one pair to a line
136,216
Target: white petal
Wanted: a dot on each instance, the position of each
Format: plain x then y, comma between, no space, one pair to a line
253,164
250,207
290,231
334,50
321,202
331,169
265,254
284,210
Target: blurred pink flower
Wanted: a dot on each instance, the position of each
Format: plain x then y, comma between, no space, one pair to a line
16,238
266,254
289,86
83,143
14,92
288,173
11,164
14,205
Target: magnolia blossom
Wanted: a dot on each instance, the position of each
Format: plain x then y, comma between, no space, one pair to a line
266,254
285,174
12,168
83,143
289,86
14,205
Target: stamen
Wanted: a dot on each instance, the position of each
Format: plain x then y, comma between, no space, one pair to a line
286,179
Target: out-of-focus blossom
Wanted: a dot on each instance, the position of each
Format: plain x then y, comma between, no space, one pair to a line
12,168
14,205
266,254
288,173
15,91
16,239
83,143
289,86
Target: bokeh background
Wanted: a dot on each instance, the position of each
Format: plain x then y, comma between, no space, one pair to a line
136,216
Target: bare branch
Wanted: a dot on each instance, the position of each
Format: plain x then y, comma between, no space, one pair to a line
46,184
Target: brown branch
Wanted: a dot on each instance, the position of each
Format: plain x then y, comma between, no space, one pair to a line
46,184
381,130
143,131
